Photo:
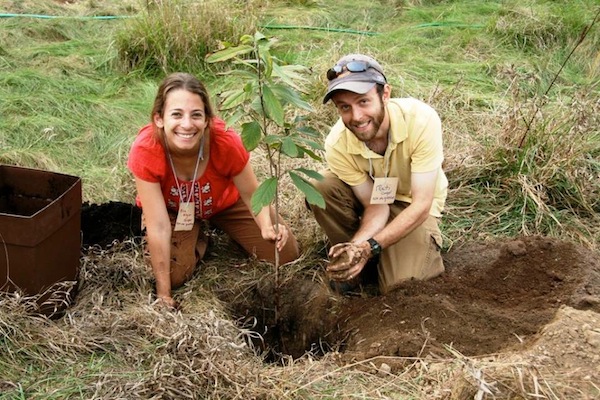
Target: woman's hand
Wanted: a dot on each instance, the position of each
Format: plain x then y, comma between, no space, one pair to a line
277,233
167,301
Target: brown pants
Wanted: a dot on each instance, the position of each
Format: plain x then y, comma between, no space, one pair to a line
418,255
189,247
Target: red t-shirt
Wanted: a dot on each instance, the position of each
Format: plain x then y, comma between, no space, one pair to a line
214,191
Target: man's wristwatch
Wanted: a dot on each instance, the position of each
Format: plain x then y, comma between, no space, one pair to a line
375,247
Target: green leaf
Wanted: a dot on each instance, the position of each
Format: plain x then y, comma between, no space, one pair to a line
267,62
310,131
258,36
235,117
256,105
273,106
228,53
247,39
311,173
312,154
233,99
242,75
288,74
289,147
272,139
264,194
288,95
311,143
312,195
251,135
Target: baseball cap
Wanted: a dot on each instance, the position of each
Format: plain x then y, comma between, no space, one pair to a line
357,73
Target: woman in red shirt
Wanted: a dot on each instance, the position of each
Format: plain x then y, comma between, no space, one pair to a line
188,166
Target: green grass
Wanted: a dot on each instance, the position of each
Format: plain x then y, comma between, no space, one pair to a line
73,92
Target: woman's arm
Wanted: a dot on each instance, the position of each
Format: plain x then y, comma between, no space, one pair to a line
247,184
158,233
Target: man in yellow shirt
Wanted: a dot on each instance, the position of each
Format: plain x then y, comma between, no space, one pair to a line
385,188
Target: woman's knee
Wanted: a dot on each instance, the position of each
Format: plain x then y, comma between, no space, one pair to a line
181,273
290,253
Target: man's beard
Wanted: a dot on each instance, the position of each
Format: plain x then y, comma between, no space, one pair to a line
376,122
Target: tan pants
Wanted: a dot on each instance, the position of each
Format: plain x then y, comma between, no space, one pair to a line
189,247
418,255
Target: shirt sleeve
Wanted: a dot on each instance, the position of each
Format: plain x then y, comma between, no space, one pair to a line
345,167
426,141
229,154
146,158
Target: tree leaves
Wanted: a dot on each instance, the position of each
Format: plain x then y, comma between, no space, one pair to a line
312,195
251,135
229,53
269,97
264,195
272,105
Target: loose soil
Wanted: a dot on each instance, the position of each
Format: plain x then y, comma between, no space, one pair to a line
102,224
494,297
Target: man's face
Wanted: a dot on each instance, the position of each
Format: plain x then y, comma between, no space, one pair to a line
363,114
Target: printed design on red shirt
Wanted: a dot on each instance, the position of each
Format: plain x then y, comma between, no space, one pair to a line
207,210
203,199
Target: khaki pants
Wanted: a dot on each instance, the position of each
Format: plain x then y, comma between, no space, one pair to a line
418,255
189,247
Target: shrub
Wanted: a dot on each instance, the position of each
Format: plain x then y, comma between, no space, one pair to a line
176,35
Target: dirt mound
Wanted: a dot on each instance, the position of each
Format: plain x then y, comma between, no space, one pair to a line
494,297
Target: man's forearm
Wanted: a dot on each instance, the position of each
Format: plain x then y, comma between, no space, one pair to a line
374,219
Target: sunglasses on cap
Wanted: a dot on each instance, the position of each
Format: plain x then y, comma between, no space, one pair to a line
352,66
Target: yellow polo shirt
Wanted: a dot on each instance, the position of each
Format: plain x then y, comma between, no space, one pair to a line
415,146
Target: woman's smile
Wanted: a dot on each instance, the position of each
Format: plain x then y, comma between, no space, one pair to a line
184,121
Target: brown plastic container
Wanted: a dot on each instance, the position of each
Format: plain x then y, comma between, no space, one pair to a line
40,238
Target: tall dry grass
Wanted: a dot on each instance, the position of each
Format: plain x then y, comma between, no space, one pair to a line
114,342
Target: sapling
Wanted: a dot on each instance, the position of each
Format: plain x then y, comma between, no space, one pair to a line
268,107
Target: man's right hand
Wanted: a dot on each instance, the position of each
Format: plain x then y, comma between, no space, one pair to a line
347,261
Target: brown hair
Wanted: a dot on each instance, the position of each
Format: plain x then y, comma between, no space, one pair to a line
174,81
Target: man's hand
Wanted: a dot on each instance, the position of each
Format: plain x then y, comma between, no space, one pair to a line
347,260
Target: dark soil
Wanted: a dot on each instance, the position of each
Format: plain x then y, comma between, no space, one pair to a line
493,297
102,224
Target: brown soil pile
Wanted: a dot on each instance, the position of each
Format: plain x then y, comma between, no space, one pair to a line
493,297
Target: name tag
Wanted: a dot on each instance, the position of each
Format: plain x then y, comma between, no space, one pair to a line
384,190
185,217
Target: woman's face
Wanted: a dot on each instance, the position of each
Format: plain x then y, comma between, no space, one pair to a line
183,121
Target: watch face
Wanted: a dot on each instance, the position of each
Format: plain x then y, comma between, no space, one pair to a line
375,247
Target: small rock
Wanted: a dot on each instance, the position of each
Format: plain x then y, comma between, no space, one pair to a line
593,338
517,248
384,369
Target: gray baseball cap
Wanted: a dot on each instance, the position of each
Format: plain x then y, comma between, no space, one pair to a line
363,74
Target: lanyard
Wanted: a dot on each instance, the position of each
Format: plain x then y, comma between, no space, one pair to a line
386,166
200,157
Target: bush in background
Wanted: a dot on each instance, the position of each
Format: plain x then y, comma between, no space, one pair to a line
176,35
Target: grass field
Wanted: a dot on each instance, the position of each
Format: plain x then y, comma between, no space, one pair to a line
516,86
516,83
